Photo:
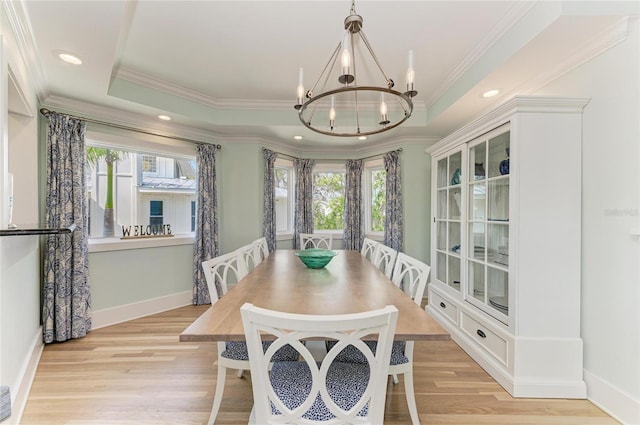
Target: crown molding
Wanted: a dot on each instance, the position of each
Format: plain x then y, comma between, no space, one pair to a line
138,78
591,47
144,80
501,114
129,119
141,121
21,28
508,21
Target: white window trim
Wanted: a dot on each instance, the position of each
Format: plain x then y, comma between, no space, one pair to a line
117,244
287,234
142,144
369,167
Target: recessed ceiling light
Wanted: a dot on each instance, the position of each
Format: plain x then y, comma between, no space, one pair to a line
297,137
490,93
70,58
362,138
164,117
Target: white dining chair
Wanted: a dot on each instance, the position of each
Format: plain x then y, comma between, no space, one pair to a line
369,248
231,354
261,244
251,256
316,240
410,275
384,259
312,392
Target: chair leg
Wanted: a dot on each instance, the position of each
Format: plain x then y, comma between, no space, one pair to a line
395,379
411,397
217,398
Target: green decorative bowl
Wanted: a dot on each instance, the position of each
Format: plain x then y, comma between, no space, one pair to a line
315,258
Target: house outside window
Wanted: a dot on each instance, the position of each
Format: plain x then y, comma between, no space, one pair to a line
149,164
148,189
193,216
156,218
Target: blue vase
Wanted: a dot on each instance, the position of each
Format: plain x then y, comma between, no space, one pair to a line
457,177
504,164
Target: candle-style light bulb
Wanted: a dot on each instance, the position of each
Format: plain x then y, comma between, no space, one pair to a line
384,117
300,89
411,76
346,61
332,113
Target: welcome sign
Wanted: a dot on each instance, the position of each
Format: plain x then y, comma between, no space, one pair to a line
146,231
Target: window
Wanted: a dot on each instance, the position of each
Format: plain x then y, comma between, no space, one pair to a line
148,164
128,188
193,216
374,197
283,171
155,213
328,197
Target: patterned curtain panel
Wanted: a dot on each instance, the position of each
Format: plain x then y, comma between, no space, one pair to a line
393,236
66,309
353,208
206,244
269,212
303,220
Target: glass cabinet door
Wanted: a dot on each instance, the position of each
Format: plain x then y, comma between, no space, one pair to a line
487,218
448,224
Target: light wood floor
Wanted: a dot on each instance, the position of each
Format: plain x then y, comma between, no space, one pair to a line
138,373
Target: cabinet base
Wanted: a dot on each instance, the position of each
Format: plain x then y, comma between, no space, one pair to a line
559,376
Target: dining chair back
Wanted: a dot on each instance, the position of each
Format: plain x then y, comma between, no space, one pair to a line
231,354
251,255
384,259
262,246
369,249
222,271
316,240
411,276
311,391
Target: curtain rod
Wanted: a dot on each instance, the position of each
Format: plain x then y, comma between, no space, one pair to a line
330,159
46,112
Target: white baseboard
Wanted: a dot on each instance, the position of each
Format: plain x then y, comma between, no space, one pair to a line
123,313
612,400
19,400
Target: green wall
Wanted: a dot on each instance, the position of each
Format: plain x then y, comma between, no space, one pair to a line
129,276
133,275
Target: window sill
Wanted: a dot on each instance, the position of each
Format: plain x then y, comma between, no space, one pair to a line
117,244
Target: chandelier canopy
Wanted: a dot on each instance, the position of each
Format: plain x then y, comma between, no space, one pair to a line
350,109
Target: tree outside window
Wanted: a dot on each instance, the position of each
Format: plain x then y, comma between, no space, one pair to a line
378,199
328,200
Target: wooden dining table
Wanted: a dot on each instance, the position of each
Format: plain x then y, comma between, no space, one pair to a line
281,282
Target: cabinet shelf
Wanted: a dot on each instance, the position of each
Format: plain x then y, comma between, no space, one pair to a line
506,282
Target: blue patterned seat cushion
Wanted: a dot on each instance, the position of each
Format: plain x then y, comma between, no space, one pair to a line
351,354
346,382
237,350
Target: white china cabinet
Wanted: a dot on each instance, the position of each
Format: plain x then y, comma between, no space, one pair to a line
505,234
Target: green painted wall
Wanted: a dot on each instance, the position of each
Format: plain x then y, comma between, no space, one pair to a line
129,276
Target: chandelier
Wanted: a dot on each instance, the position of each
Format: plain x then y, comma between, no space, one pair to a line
350,109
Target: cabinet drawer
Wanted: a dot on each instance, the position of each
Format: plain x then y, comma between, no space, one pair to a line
490,341
447,308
